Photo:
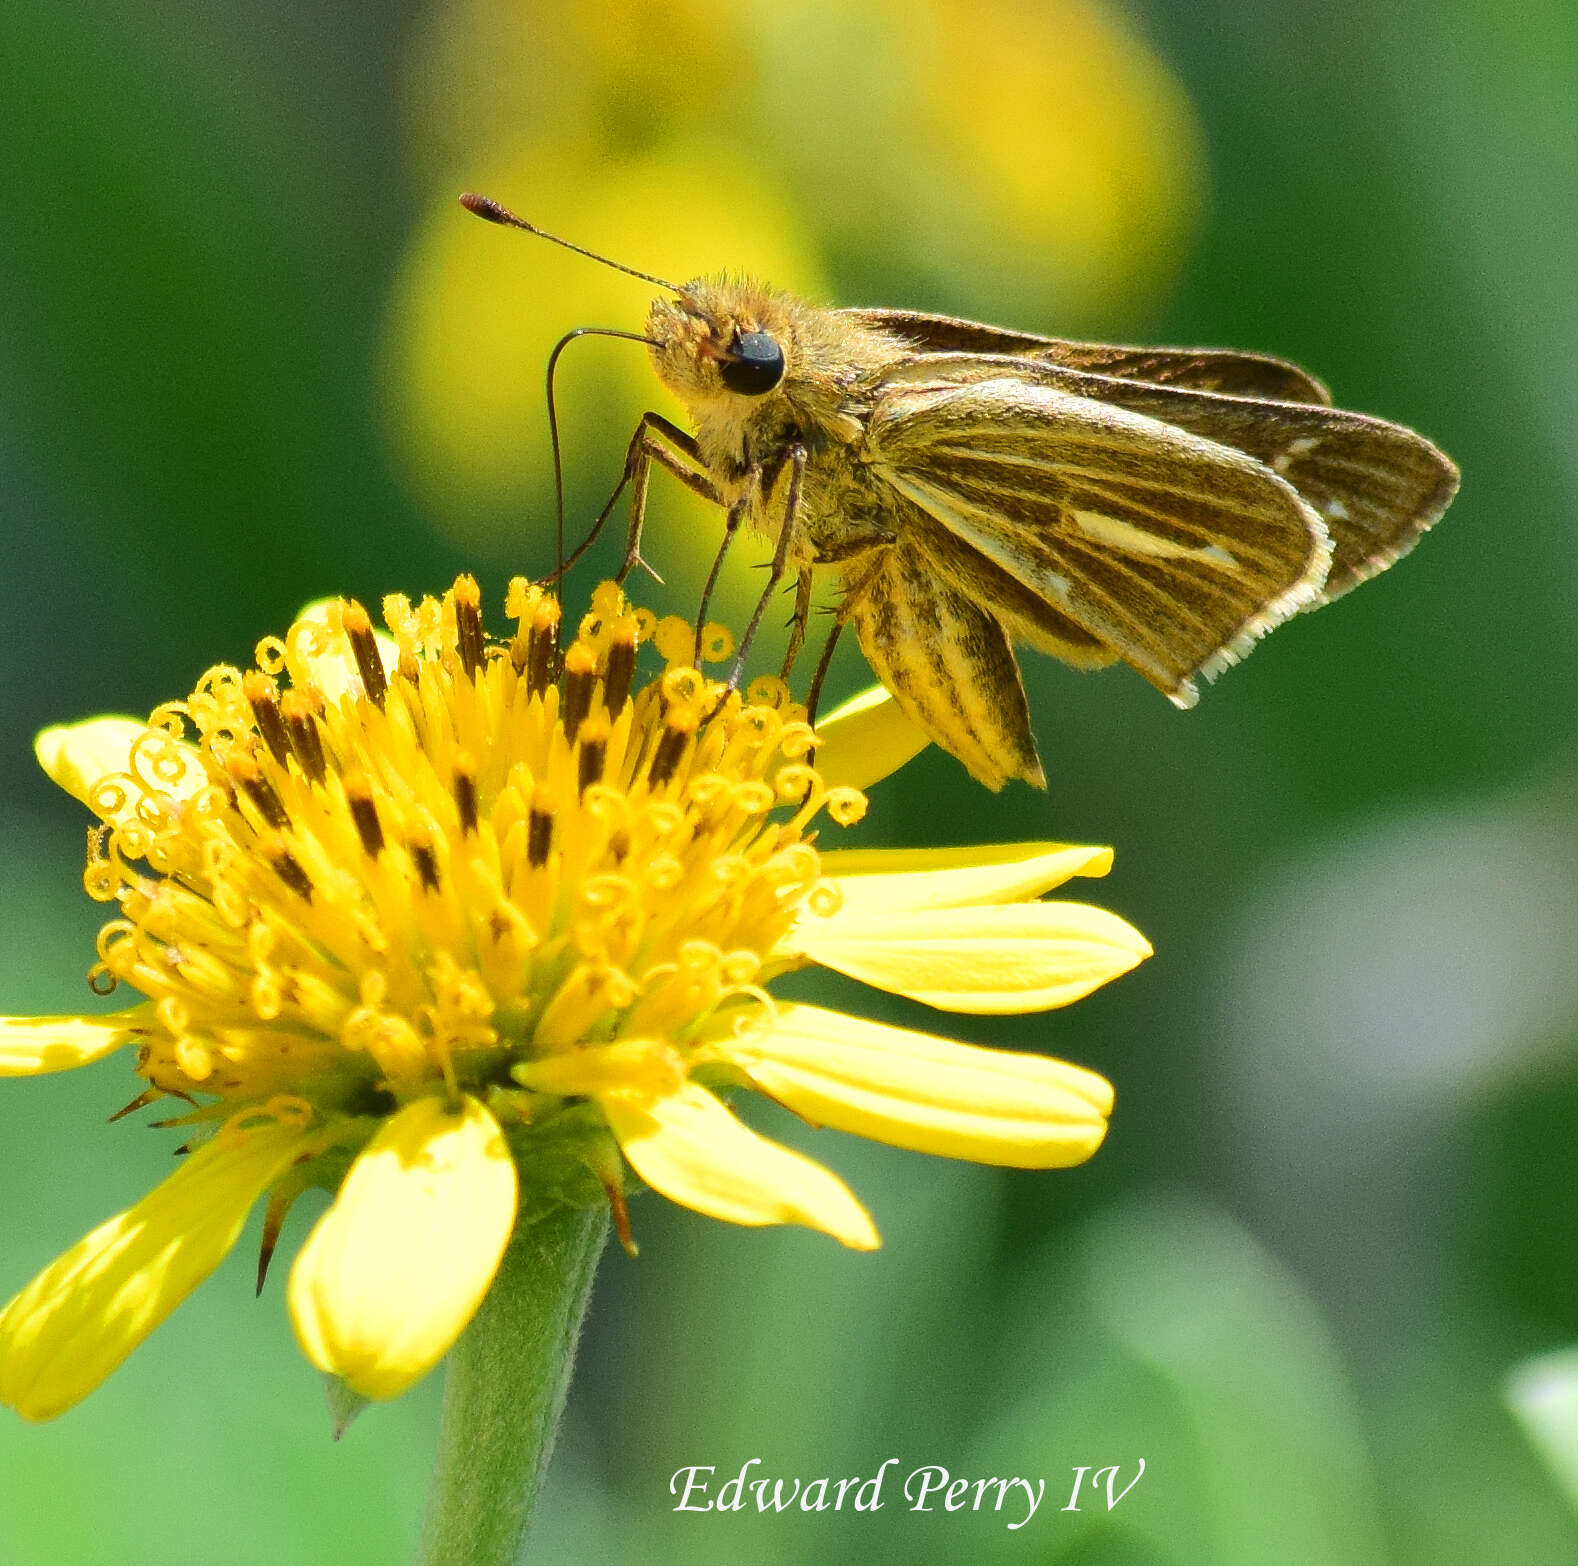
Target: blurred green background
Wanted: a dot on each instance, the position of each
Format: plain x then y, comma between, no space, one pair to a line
251,352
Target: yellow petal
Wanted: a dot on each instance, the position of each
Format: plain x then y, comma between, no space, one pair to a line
867,738
30,1046
398,1265
930,1094
688,1146
1012,958
78,755
885,880
80,1317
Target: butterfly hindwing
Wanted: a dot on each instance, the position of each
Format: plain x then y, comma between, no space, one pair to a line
947,661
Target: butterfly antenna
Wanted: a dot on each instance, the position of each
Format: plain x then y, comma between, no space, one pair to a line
494,212
561,564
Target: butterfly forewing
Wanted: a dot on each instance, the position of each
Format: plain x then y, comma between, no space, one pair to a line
1375,485
1172,551
1222,370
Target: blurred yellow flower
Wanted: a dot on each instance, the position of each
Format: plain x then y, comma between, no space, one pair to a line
1029,161
457,930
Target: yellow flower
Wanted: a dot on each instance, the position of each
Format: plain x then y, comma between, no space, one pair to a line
448,926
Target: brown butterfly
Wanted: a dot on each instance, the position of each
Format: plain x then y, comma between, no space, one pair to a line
975,487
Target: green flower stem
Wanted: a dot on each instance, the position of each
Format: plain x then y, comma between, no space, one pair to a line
505,1388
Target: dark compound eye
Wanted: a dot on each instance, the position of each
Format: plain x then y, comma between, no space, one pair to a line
756,364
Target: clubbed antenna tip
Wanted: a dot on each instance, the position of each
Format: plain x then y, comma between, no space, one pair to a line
487,207
496,212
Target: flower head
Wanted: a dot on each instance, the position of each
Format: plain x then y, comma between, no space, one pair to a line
462,930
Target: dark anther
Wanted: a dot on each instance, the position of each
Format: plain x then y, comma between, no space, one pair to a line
542,643
306,742
359,798
468,623
426,862
620,671
594,753
466,793
358,627
249,777
580,674
263,697
670,747
288,868
539,836
755,364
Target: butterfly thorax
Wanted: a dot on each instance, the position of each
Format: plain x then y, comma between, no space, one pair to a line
822,401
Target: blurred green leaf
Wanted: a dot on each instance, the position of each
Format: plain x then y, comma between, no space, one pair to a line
1166,1332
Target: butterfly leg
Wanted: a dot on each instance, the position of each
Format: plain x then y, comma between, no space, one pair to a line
731,525
795,460
798,622
655,439
823,664
855,585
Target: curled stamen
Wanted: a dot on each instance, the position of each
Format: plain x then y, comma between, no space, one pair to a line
459,874
110,796
753,797
797,741
708,790
269,655
284,1109
160,761
169,717
741,966
682,685
717,642
767,690
799,784
845,806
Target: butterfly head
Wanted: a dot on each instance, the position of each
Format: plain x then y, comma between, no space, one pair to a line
721,346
